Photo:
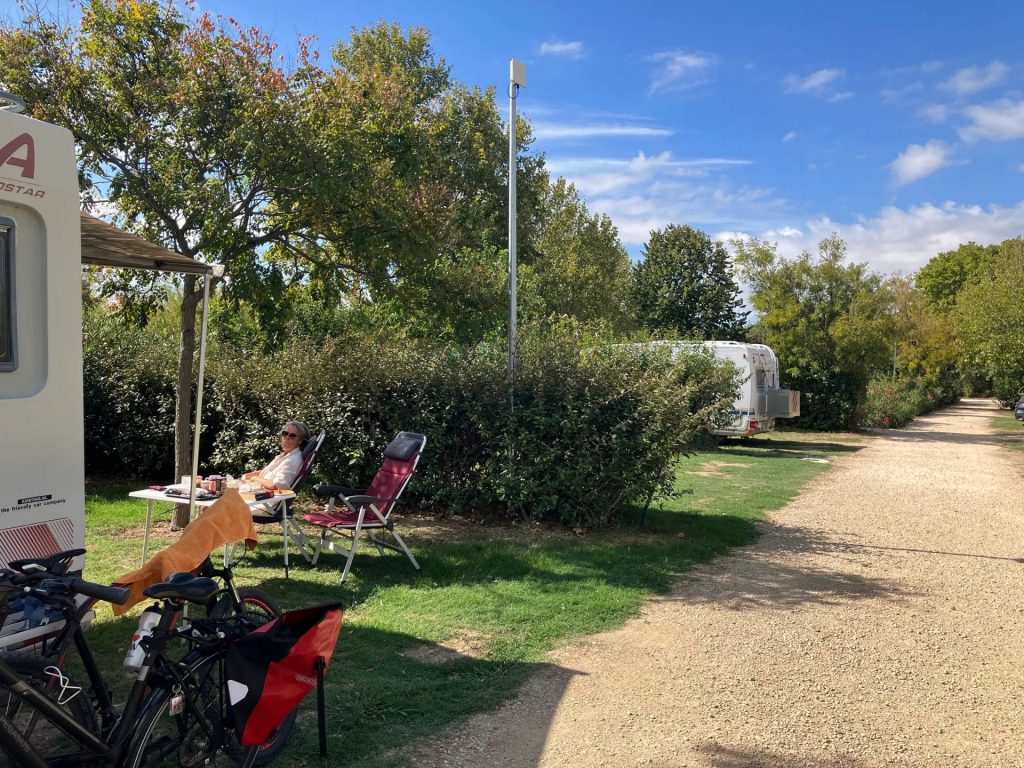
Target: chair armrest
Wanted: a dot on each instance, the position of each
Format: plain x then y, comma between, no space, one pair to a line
328,490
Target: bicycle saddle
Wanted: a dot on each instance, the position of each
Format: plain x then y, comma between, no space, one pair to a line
55,563
184,586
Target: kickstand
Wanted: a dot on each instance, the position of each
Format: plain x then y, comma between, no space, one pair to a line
321,708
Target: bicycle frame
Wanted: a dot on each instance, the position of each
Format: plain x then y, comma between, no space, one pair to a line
112,749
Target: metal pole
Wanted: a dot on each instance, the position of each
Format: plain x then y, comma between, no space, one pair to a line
197,424
513,91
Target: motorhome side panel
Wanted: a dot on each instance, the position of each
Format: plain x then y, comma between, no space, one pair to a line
42,496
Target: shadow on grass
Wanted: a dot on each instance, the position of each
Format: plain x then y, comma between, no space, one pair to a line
379,699
789,446
668,544
785,449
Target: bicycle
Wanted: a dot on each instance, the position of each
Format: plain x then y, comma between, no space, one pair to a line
67,632
176,713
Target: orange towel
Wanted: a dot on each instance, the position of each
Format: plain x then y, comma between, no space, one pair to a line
226,521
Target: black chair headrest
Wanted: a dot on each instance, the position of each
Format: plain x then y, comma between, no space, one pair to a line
405,446
311,445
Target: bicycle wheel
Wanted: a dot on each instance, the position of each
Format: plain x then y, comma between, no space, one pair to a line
258,605
189,739
56,747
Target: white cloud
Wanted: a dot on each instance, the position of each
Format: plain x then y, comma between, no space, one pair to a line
601,176
903,94
1021,167
573,50
920,160
815,83
835,98
935,113
999,121
554,131
903,240
679,71
931,66
783,232
975,79
790,136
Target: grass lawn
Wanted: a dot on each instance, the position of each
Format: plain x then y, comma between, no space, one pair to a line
422,650
1006,424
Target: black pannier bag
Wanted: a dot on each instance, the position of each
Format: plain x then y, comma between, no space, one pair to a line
273,668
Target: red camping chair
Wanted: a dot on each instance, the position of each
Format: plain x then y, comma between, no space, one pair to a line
368,511
282,511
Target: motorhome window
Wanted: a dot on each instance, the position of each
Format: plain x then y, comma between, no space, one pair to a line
8,362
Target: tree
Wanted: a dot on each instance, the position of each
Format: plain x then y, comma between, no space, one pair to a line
989,318
944,276
582,268
189,131
830,323
350,180
684,284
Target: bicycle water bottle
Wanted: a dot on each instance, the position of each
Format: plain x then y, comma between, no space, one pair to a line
136,653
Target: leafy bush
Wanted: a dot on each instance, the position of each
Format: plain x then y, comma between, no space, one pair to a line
129,379
593,431
894,403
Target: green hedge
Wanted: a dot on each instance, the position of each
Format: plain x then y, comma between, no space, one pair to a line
894,403
594,431
128,382
596,428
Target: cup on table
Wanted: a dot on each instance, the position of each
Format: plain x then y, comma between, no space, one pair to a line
186,480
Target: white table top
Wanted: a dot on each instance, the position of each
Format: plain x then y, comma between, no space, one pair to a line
151,495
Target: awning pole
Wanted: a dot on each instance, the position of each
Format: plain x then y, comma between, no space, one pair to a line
198,422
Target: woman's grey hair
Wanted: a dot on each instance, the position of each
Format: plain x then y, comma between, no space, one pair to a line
300,429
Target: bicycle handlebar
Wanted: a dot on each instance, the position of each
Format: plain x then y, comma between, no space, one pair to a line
118,595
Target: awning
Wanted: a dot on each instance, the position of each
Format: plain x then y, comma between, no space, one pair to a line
107,246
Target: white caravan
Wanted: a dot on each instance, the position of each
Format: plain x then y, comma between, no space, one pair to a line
42,485
44,240
760,400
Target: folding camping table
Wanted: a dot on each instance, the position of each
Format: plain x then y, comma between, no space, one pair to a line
151,495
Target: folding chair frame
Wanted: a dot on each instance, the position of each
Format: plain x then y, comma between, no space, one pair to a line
372,515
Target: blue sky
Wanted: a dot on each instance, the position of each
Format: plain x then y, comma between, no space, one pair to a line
898,125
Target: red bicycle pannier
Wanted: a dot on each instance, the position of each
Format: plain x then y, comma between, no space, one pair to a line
271,669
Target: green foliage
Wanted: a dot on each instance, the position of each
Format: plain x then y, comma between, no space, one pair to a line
891,403
593,432
946,275
582,270
830,324
894,403
684,284
128,377
989,317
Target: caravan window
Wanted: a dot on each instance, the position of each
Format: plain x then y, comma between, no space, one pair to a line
8,361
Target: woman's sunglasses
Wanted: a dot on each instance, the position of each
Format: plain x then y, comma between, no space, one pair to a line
286,433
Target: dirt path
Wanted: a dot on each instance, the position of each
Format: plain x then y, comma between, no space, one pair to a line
878,622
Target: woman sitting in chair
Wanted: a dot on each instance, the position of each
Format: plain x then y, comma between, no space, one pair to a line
280,473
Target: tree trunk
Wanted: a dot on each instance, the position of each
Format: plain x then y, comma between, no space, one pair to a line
183,403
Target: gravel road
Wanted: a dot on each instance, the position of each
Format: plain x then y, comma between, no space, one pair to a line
879,621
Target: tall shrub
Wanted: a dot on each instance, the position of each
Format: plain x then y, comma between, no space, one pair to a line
592,432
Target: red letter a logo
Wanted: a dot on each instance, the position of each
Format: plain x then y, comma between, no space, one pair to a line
26,163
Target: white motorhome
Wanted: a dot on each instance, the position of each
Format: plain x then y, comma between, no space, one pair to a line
760,399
